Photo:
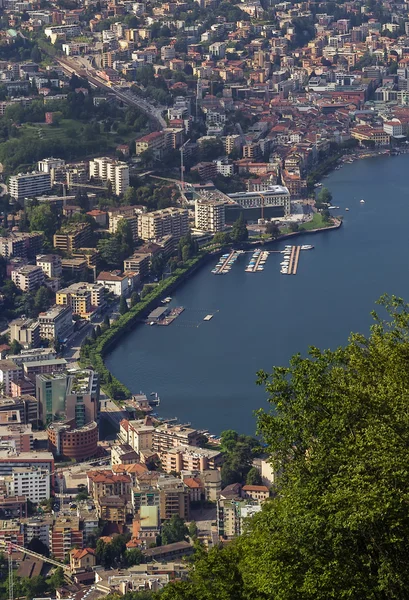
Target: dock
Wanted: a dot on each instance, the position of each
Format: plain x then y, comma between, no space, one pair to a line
171,316
293,259
208,317
257,261
225,263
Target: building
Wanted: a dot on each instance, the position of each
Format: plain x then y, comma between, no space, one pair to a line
50,264
56,323
123,454
173,499
81,559
82,397
119,285
83,298
160,223
210,215
107,169
26,332
139,264
118,217
190,458
37,527
112,509
40,367
51,392
73,443
276,196
65,535
108,483
394,128
28,277
72,237
20,434
154,142
24,245
29,185
9,372
32,483
168,436
259,493
10,460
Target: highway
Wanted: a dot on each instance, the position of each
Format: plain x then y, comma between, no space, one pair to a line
155,114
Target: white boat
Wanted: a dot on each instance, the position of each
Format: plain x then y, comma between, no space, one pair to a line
347,209
362,201
307,247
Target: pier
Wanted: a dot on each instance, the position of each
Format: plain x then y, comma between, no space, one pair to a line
293,259
225,263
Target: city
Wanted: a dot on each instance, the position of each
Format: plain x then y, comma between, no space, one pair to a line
139,143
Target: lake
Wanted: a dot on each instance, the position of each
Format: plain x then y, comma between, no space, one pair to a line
205,372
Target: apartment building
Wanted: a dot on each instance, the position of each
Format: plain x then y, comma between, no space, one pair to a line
138,434
112,509
132,221
160,223
28,277
40,367
168,436
50,264
56,323
210,215
83,298
190,458
37,527
259,493
9,372
21,244
231,516
65,535
139,264
26,332
107,483
9,460
154,142
107,169
173,499
32,483
29,185
20,434
72,237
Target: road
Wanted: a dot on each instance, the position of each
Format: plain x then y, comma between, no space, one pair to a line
126,97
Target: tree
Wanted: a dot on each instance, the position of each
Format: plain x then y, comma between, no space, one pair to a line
324,197
273,229
338,524
106,321
221,238
228,440
210,149
123,306
239,231
193,530
43,218
134,298
41,299
254,477
57,579
15,347
174,530
133,557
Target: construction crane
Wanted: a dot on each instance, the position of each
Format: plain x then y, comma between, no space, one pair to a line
182,168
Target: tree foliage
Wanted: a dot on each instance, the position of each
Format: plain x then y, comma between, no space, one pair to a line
338,524
174,530
239,231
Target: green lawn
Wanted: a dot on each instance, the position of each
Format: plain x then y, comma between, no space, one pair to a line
317,222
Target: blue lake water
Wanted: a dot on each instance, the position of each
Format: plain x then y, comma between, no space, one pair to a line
205,372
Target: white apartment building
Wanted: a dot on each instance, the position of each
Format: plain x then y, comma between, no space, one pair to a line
50,264
32,483
56,323
210,215
393,128
167,52
132,221
225,168
9,372
107,169
68,30
159,223
29,185
48,164
28,277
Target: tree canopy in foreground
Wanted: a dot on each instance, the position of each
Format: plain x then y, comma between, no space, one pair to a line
338,525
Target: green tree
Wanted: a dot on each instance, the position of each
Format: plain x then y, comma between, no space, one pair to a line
15,347
239,231
254,477
123,306
210,149
43,218
134,298
41,299
57,579
324,197
273,229
221,238
193,530
174,530
133,557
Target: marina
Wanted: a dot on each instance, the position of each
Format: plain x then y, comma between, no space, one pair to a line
257,261
289,265
171,316
226,262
